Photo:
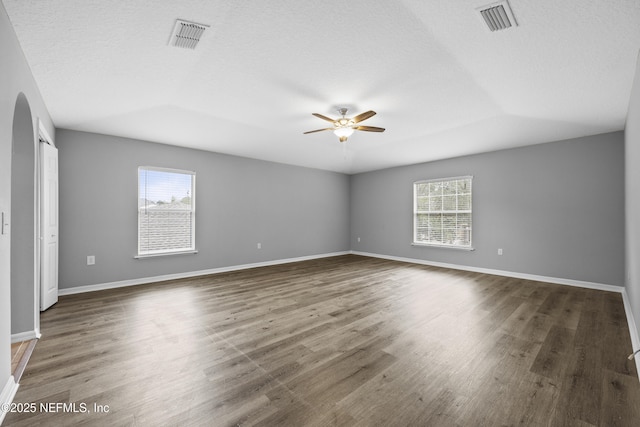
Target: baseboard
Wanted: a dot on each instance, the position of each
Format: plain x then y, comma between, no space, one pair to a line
145,280
633,330
534,277
25,336
6,396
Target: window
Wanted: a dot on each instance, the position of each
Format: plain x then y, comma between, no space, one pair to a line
166,211
442,212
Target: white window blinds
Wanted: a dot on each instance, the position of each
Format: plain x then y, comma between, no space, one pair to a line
442,212
166,211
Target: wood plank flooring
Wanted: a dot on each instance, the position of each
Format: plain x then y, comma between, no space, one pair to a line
20,355
17,351
345,341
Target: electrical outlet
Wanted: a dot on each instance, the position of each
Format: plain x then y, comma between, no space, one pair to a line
259,245
500,251
91,260
358,240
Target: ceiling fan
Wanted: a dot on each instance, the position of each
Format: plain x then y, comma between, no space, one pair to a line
344,126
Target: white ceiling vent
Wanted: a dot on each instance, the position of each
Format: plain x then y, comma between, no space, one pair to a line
186,34
498,16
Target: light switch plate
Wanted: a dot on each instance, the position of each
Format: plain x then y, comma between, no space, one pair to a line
5,225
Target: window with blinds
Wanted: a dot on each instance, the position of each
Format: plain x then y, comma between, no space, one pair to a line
166,211
442,212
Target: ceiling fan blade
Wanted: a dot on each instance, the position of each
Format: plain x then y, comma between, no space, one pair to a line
369,128
320,116
317,130
364,116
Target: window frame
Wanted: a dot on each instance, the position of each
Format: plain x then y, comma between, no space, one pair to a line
164,252
469,211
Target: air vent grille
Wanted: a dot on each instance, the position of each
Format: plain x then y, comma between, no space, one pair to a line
187,34
498,16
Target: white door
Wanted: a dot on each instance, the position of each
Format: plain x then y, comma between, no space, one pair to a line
49,226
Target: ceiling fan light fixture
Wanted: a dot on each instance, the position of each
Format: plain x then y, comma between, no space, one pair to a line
343,132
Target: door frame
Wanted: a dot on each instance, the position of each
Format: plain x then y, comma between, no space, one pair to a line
43,138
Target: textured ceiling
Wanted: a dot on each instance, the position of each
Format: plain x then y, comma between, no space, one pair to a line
442,84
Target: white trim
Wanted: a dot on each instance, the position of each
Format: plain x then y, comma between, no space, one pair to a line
435,245
170,170
145,280
535,277
42,131
157,254
25,336
451,178
43,138
7,394
633,330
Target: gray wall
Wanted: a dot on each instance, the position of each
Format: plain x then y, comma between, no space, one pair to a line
15,78
556,210
292,211
23,221
632,181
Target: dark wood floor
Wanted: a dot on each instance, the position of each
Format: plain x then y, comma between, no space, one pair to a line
349,341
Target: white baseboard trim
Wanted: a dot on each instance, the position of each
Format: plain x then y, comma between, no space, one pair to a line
534,277
633,330
145,280
7,394
25,336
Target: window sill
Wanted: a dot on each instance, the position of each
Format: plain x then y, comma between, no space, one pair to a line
165,254
431,245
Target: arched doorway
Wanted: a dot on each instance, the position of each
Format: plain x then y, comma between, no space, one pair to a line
24,311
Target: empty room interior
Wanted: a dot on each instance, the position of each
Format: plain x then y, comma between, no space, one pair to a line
294,213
